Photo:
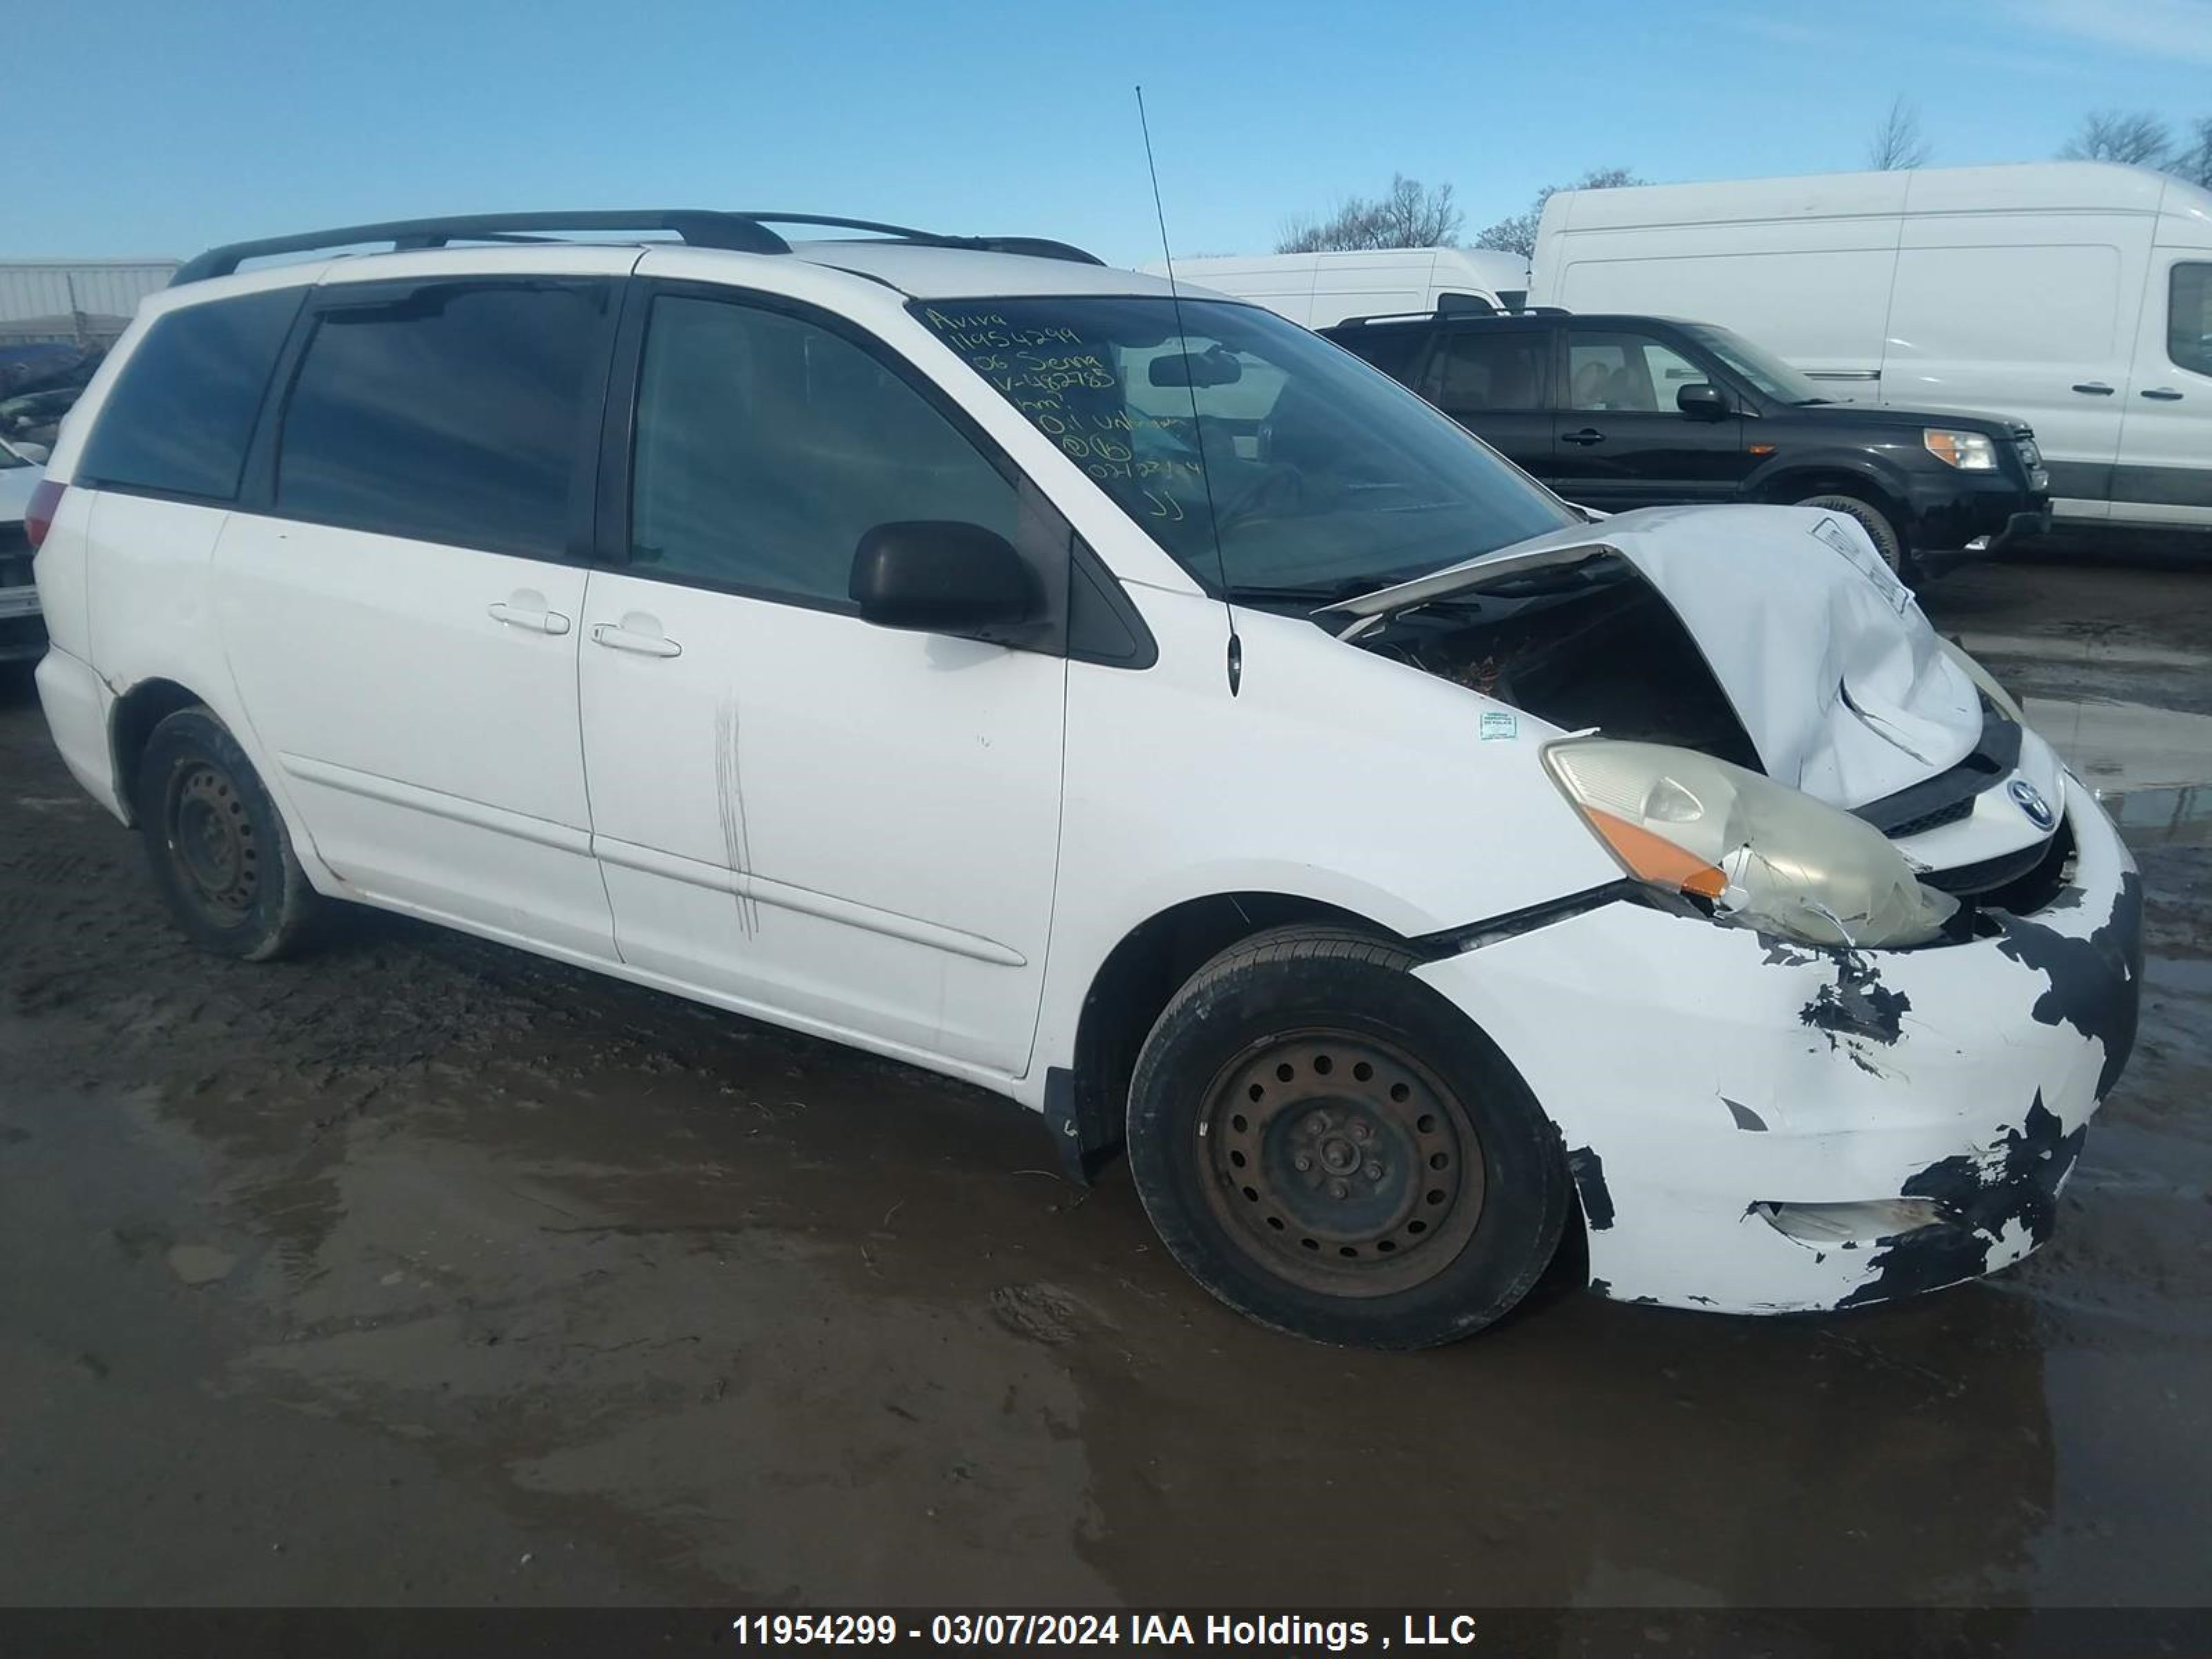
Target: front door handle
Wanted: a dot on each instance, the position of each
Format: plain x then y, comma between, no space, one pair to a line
644,642
1588,435
2165,394
537,618
2094,388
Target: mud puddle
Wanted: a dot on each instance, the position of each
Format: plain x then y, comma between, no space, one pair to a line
421,1271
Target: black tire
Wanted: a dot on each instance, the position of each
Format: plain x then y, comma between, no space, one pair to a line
217,844
1888,540
1370,1076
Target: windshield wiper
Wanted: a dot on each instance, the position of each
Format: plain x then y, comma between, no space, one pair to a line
1808,403
1319,593
1314,594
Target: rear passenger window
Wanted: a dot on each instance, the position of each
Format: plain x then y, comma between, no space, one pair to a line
181,413
1476,369
766,446
1392,351
457,414
2188,317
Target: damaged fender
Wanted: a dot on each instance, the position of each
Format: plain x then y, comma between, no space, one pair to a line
1759,1125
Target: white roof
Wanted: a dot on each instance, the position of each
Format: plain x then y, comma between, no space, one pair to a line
2027,186
946,273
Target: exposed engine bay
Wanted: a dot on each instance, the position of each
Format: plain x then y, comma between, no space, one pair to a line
1584,639
1580,645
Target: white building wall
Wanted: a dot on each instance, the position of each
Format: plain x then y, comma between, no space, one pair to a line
63,299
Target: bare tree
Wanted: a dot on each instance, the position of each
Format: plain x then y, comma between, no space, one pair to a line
1409,214
1518,233
2195,163
2107,135
1897,143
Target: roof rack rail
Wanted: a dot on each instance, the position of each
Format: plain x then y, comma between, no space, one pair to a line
697,227
1035,247
1462,305
744,233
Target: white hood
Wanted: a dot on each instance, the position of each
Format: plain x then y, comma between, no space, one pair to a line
1842,686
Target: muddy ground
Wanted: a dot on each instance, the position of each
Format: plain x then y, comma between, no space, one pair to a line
423,1272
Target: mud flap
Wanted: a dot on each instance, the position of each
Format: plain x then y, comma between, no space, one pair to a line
1085,1135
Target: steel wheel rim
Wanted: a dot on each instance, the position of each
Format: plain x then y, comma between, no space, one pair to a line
212,844
1337,1161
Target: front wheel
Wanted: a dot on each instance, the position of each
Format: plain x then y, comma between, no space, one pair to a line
1887,539
1330,1146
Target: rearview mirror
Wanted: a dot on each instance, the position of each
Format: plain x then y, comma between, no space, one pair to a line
1215,366
1703,402
937,576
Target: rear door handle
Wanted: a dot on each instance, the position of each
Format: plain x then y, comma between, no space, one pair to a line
2165,394
615,637
2095,388
1588,435
538,620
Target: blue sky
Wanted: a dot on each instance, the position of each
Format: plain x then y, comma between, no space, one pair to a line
160,127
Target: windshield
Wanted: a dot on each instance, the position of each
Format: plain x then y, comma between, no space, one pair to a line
1762,368
1321,477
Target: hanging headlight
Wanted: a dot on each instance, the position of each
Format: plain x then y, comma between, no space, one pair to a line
1763,855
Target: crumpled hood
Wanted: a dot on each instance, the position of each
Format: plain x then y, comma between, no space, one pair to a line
1841,684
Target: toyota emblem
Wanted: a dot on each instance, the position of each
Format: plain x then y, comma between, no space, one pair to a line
2030,800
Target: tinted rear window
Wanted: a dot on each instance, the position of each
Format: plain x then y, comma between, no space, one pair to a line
181,413
1392,351
454,414
1476,369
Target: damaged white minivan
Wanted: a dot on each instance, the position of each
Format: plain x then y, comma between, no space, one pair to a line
1126,702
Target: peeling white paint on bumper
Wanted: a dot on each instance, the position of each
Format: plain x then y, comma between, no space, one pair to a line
1961,1072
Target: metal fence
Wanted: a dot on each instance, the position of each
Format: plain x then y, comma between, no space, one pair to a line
85,302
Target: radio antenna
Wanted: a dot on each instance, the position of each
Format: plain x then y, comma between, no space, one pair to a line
1190,385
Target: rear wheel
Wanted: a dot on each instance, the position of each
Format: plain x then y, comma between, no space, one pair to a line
1327,1146
1888,540
218,848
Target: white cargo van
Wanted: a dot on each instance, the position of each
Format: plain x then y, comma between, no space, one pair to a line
2077,295
1323,289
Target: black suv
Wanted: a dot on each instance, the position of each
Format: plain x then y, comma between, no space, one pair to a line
1615,412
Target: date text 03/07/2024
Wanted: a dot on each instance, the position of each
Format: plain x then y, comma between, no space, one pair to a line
973,1630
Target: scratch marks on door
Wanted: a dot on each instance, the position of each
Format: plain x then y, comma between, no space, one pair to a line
730,799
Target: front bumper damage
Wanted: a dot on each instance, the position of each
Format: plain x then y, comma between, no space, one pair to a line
1759,1127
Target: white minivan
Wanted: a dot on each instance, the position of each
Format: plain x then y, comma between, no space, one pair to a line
1321,290
1129,702
2076,295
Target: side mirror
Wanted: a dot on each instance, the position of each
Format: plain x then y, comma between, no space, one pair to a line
1704,401
936,576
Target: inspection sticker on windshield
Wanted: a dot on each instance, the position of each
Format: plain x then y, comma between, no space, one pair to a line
1895,593
1500,725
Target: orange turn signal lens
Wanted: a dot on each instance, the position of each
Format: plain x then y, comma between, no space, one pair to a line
1655,858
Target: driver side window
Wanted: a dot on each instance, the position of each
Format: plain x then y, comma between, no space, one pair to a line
1609,370
766,446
